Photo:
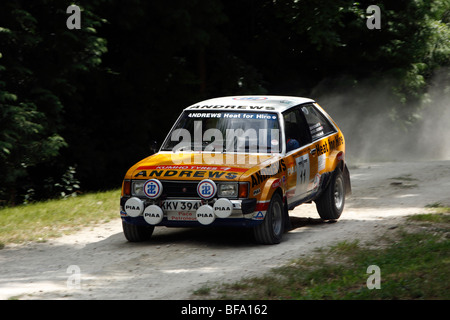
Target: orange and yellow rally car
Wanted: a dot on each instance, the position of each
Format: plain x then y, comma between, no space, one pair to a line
239,161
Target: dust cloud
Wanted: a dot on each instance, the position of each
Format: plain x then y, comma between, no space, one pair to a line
365,113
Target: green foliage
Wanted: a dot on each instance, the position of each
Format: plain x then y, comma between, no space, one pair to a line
78,97
413,265
42,220
40,60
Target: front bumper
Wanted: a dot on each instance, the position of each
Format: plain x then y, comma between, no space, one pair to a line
245,213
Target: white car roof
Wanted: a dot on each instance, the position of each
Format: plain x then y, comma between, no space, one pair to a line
250,103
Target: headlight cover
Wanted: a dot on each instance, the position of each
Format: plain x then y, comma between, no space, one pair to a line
137,188
228,190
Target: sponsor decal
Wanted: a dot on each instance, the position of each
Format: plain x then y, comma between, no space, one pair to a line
262,205
321,161
181,216
191,167
276,184
258,216
336,142
316,181
234,107
206,189
152,188
316,128
267,172
223,208
204,115
189,174
234,115
292,170
205,215
153,214
322,148
134,207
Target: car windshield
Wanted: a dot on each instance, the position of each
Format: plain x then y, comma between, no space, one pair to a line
225,131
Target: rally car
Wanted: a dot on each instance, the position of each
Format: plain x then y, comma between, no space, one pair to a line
239,161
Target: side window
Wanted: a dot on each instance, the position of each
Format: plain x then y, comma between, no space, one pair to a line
295,130
318,125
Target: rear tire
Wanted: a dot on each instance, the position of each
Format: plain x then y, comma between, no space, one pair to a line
270,231
136,233
331,203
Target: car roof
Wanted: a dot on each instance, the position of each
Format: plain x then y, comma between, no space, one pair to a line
250,103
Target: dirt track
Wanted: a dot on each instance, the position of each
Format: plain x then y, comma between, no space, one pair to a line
178,261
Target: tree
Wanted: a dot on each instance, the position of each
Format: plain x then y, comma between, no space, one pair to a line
67,103
161,58
40,62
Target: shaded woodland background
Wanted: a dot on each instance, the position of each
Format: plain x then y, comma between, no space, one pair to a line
79,107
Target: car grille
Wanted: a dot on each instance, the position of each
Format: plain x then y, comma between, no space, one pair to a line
178,189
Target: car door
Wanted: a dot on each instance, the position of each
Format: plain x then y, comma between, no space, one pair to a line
320,129
301,158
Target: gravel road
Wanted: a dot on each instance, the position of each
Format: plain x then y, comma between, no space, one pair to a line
98,263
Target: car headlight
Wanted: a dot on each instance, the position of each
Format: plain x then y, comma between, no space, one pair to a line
227,190
137,188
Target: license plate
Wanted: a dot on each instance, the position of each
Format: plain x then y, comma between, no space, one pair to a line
177,210
179,205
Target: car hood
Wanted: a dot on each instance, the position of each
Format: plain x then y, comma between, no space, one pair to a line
197,166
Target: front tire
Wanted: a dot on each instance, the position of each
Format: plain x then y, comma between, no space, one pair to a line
270,231
136,233
331,203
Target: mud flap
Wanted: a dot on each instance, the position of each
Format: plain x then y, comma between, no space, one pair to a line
348,185
287,220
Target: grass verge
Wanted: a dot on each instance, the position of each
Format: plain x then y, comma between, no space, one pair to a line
413,264
53,218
